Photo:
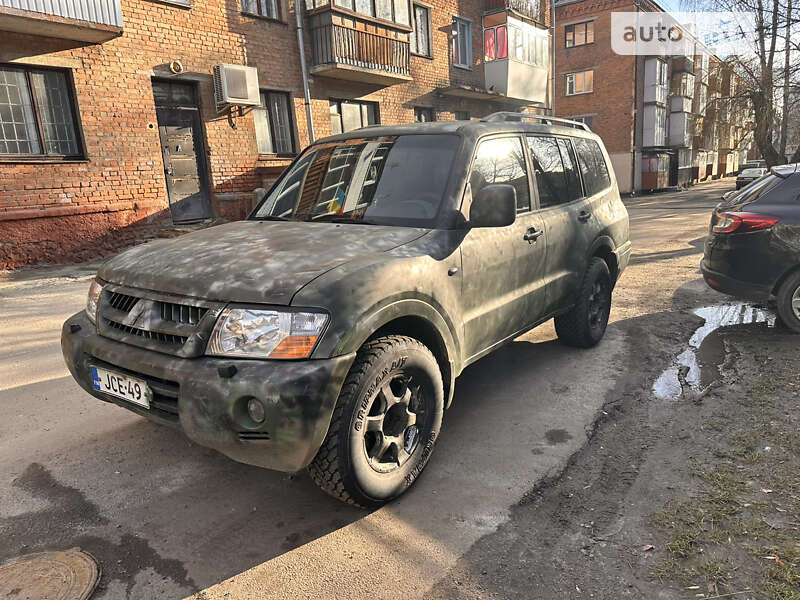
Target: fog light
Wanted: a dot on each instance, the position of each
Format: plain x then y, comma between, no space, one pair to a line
256,410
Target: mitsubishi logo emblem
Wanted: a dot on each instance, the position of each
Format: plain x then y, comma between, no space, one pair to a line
139,317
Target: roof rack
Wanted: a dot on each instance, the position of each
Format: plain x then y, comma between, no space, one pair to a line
518,116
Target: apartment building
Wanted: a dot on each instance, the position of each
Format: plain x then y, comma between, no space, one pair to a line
110,123
665,120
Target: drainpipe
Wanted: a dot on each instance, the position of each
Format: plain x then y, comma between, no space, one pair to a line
306,93
553,59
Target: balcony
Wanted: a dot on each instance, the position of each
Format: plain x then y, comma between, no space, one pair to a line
681,130
517,59
683,64
345,52
679,104
655,94
93,21
530,9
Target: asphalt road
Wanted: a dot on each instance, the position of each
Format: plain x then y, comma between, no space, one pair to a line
167,519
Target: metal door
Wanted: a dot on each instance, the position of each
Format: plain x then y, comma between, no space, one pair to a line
183,151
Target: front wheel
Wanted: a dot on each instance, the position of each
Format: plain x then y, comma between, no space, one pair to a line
585,324
385,423
788,302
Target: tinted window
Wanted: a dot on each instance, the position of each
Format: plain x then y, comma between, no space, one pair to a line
574,190
501,160
392,180
549,170
593,166
753,191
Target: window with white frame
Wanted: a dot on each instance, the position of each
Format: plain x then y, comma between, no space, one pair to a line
421,33
347,115
462,42
586,119
273,122
580,82
262,8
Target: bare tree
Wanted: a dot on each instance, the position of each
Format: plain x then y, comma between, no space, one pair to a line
787,57
769,69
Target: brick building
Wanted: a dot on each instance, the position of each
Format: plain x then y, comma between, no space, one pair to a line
665,120
109,123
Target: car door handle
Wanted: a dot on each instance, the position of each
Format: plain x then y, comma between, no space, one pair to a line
584,216
532,235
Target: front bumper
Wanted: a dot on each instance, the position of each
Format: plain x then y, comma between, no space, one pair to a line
208,404
735,287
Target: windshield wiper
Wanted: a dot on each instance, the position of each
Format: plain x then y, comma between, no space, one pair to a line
271,218
341,219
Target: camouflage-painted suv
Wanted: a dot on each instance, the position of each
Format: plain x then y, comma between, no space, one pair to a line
328,329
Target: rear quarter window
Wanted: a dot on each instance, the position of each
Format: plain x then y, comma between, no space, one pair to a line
593,165
754,191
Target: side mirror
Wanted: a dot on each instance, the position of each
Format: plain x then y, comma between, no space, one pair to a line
727,195
494,206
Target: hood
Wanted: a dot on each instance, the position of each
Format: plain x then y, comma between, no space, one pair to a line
250,261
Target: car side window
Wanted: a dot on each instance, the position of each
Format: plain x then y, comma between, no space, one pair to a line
501,160
593,166
548,168
574,190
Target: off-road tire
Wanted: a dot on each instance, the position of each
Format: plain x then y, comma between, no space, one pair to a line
342,466
577,327
789,291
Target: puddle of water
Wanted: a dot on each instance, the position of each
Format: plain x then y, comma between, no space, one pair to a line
686,371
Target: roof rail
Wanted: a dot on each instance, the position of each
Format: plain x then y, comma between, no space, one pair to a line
518,116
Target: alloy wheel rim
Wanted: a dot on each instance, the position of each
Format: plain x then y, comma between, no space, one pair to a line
796,302
393,425
598,304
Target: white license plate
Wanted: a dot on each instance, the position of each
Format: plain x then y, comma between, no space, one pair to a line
119,385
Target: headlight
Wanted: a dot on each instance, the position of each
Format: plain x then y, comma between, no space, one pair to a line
254,333
93,300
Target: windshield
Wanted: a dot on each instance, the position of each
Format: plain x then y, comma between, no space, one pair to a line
753,172
391,180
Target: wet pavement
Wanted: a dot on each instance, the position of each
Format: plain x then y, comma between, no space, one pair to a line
701,364
166,518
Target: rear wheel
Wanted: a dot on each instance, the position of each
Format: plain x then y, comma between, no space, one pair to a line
585,324
788,302
385,423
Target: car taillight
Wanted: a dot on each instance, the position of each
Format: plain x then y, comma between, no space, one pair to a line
743,222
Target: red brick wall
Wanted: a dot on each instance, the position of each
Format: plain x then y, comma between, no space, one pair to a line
59,211
612,101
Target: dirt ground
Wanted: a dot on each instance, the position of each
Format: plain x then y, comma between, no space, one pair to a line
689,486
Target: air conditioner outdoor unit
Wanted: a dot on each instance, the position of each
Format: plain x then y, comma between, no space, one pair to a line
236,84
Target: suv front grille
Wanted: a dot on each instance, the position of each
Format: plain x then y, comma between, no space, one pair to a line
156,321
163,338
122,302
182,313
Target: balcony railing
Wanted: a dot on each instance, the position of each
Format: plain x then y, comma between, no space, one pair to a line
528,8
348,53
90,21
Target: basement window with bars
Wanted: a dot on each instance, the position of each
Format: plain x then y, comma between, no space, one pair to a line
261,8
273,122
37,114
